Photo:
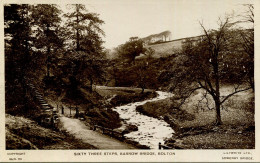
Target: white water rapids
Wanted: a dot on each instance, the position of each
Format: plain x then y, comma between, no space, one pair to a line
151,131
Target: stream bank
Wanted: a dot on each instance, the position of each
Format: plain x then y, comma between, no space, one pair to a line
151,131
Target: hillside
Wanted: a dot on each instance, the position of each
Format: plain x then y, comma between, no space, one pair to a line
23,133
194,127
165,49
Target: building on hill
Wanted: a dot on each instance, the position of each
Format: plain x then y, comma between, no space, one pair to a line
168,48
157,38
164,49
133,38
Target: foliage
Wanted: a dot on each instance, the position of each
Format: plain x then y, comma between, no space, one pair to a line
17,49
208,63
37,42
81,67
85,61
131,49
46,24
247,42
84,29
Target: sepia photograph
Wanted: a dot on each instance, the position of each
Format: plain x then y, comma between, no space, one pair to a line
134,77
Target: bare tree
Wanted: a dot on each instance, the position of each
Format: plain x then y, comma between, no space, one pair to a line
247,42
207,64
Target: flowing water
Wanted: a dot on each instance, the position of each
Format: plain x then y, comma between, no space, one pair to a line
151,131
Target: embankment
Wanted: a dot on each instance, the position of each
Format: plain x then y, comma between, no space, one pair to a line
195,126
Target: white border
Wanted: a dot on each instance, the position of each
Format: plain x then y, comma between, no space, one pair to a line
180,155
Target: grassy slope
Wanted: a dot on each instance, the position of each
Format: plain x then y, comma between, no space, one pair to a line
22,133
165,49
97,104
194,127
122,95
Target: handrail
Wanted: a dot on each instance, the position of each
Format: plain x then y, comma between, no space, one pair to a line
108,131
164,146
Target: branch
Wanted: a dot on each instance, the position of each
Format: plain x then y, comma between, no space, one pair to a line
233,94
212,93
206,33
186,97
207,80
207,101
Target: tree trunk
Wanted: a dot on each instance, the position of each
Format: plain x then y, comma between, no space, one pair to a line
218,115
217,94
91,84
142,90
48,66
115,75
48,52
252,83
78,47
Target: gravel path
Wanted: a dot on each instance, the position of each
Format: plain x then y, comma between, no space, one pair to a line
78,129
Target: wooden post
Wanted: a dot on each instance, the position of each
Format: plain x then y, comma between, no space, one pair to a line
70,110
62,109
77,111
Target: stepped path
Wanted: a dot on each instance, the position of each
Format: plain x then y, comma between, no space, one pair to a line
150,132
78,129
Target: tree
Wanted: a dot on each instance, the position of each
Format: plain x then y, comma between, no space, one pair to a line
207,63
17,41
131,49
46,21
84,28
145,74
149,53
84,54
247,42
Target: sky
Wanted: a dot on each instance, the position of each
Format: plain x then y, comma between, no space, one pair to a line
141,18
125,18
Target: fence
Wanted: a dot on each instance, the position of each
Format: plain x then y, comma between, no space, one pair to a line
164,146
117,134
109,131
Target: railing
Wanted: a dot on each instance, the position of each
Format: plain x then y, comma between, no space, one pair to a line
109,131
117,134
164,146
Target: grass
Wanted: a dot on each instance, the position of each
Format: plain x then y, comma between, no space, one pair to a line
165,49
135,97
108,92
195,128
23,133
96,106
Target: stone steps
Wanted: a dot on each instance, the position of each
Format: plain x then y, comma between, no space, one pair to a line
48,114
44,105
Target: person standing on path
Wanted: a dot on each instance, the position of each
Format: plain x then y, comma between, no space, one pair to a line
77,112
62,109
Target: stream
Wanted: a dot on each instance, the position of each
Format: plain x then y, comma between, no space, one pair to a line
151,131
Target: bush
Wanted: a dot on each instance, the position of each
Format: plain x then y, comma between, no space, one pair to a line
104,117
125,99
130,128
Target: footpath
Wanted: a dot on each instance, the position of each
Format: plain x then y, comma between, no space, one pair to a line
78,129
